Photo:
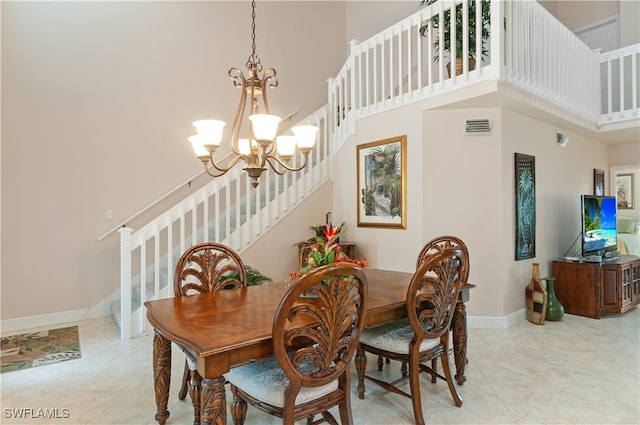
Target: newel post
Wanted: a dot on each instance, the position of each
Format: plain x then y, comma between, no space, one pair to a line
125,282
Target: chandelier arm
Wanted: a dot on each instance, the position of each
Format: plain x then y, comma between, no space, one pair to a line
236,75
238,81
222,169
274,160
268,80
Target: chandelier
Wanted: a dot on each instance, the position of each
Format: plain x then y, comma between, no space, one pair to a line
260,146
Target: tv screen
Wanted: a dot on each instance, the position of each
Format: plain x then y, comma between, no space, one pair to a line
599,233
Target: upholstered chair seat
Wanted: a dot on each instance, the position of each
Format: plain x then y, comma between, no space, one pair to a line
264,380
394,337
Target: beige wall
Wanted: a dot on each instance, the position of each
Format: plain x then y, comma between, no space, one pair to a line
577,14
97,104
629,28
367,18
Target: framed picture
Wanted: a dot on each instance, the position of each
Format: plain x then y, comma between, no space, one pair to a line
382,183
525,182
624,191
598,182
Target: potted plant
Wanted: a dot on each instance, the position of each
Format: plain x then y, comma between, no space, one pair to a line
435,24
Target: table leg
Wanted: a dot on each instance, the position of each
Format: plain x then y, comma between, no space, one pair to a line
195,392
161,375
213,403
459,325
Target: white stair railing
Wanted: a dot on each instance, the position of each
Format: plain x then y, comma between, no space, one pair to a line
226,210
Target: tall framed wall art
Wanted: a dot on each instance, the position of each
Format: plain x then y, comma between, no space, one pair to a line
525,199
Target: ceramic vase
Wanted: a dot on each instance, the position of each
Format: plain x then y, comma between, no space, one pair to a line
555,310
536,298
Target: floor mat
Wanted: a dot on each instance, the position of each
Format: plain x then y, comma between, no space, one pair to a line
27,350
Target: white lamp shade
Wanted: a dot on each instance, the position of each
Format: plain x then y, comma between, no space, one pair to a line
305,136
286,146
198,146
243,146
265,126
210,131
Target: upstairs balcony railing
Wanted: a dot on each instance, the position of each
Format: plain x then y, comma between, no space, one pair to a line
526,47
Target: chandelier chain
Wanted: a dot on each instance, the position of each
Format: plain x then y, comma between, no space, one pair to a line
254,60
260,149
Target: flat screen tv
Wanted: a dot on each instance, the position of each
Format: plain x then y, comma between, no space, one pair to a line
599,233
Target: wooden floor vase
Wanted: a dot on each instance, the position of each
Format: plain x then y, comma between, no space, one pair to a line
536,296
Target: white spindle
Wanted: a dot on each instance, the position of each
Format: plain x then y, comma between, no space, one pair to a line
609,89
479,27
194,222
143,270
156,260
205,211
238,218
621,82
634,84
181,231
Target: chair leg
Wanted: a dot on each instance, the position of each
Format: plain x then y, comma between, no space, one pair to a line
361,366
346,416
447,373
403,369
380,363
195,392
238,408
184,389
414,384
434,368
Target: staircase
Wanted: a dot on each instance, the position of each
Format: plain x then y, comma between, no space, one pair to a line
227,210
530,52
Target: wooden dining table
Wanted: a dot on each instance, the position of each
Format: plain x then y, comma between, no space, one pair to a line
228,328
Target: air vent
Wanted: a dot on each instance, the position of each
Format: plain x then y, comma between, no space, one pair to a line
477,126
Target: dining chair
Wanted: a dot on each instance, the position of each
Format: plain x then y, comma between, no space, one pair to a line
424,334
205,267
315,335
435,245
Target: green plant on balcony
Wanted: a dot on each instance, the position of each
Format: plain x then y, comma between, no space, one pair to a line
434,22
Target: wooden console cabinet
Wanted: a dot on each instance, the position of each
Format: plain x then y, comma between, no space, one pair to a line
594,289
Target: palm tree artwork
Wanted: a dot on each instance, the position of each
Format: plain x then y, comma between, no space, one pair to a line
525,206
382,193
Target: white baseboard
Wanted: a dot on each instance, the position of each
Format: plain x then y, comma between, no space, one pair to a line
482,322
30,322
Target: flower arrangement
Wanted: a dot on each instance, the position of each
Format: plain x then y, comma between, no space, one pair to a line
326,249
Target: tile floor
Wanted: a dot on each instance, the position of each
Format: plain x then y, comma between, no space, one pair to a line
576,371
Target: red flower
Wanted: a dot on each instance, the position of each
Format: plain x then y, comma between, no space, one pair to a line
331,232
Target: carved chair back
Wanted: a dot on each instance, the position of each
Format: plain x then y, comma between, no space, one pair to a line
433,293
443,242
317,327
208,267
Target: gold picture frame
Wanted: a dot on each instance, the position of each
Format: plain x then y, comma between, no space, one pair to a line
382,183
